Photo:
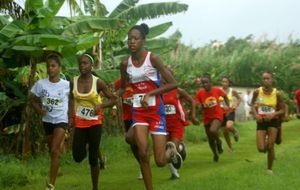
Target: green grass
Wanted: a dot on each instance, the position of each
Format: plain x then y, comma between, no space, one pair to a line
244,169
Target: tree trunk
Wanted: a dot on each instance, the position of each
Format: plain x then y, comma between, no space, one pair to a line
27,114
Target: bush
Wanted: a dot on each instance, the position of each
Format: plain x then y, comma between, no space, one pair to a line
12,173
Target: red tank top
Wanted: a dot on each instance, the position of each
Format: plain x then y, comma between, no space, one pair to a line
174,109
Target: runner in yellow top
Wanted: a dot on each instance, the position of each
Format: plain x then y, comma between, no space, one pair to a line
229,112
267,106
87,108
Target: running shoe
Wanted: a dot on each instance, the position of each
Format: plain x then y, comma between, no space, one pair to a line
102,162
182,151
49,186
140,176
216,158
270,172
236,135
174,176
175,157
220,147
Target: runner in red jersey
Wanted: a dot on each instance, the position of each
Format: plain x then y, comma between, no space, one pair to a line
143,70
127,118
297,102
212,113
176,120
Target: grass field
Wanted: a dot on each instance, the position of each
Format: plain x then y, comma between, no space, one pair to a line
244,169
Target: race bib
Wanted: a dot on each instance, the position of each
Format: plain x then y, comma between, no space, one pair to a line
52,102
86,113
137,100
265,110
170,109
127,101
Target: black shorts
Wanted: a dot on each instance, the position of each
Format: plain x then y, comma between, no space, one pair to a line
266,124
127,125
49,127
229,117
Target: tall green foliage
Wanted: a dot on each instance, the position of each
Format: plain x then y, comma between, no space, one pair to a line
243,60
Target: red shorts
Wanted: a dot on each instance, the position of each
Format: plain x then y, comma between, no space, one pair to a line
156,123
175,130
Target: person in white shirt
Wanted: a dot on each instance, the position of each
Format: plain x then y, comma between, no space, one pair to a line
247,104
50,99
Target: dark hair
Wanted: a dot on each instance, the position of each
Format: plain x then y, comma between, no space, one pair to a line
206,75
54,56
89,56
143,29
268,72
226,77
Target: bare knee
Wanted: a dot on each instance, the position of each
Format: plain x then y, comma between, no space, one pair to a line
144,155
55,152
271,147
213,132
262,150
160,162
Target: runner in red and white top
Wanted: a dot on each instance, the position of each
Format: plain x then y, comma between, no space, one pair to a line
212,113
176,120
143,70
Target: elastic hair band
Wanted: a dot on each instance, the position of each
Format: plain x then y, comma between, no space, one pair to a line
91,58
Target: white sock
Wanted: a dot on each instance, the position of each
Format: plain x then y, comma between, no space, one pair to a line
180,147
173,170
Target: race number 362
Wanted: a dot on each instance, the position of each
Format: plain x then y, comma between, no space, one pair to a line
52,102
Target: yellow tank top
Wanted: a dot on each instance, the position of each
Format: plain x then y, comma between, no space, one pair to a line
266,103
85,102
230,98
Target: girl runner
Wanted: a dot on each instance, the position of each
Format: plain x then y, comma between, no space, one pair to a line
88,114
176,120
143,70
208,98
229,112
264,103
50,99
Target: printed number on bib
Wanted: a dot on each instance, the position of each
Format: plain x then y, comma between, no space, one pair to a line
137,100
265,110
86,113
170,109
52,102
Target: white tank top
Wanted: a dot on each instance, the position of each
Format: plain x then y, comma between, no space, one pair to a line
144,79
